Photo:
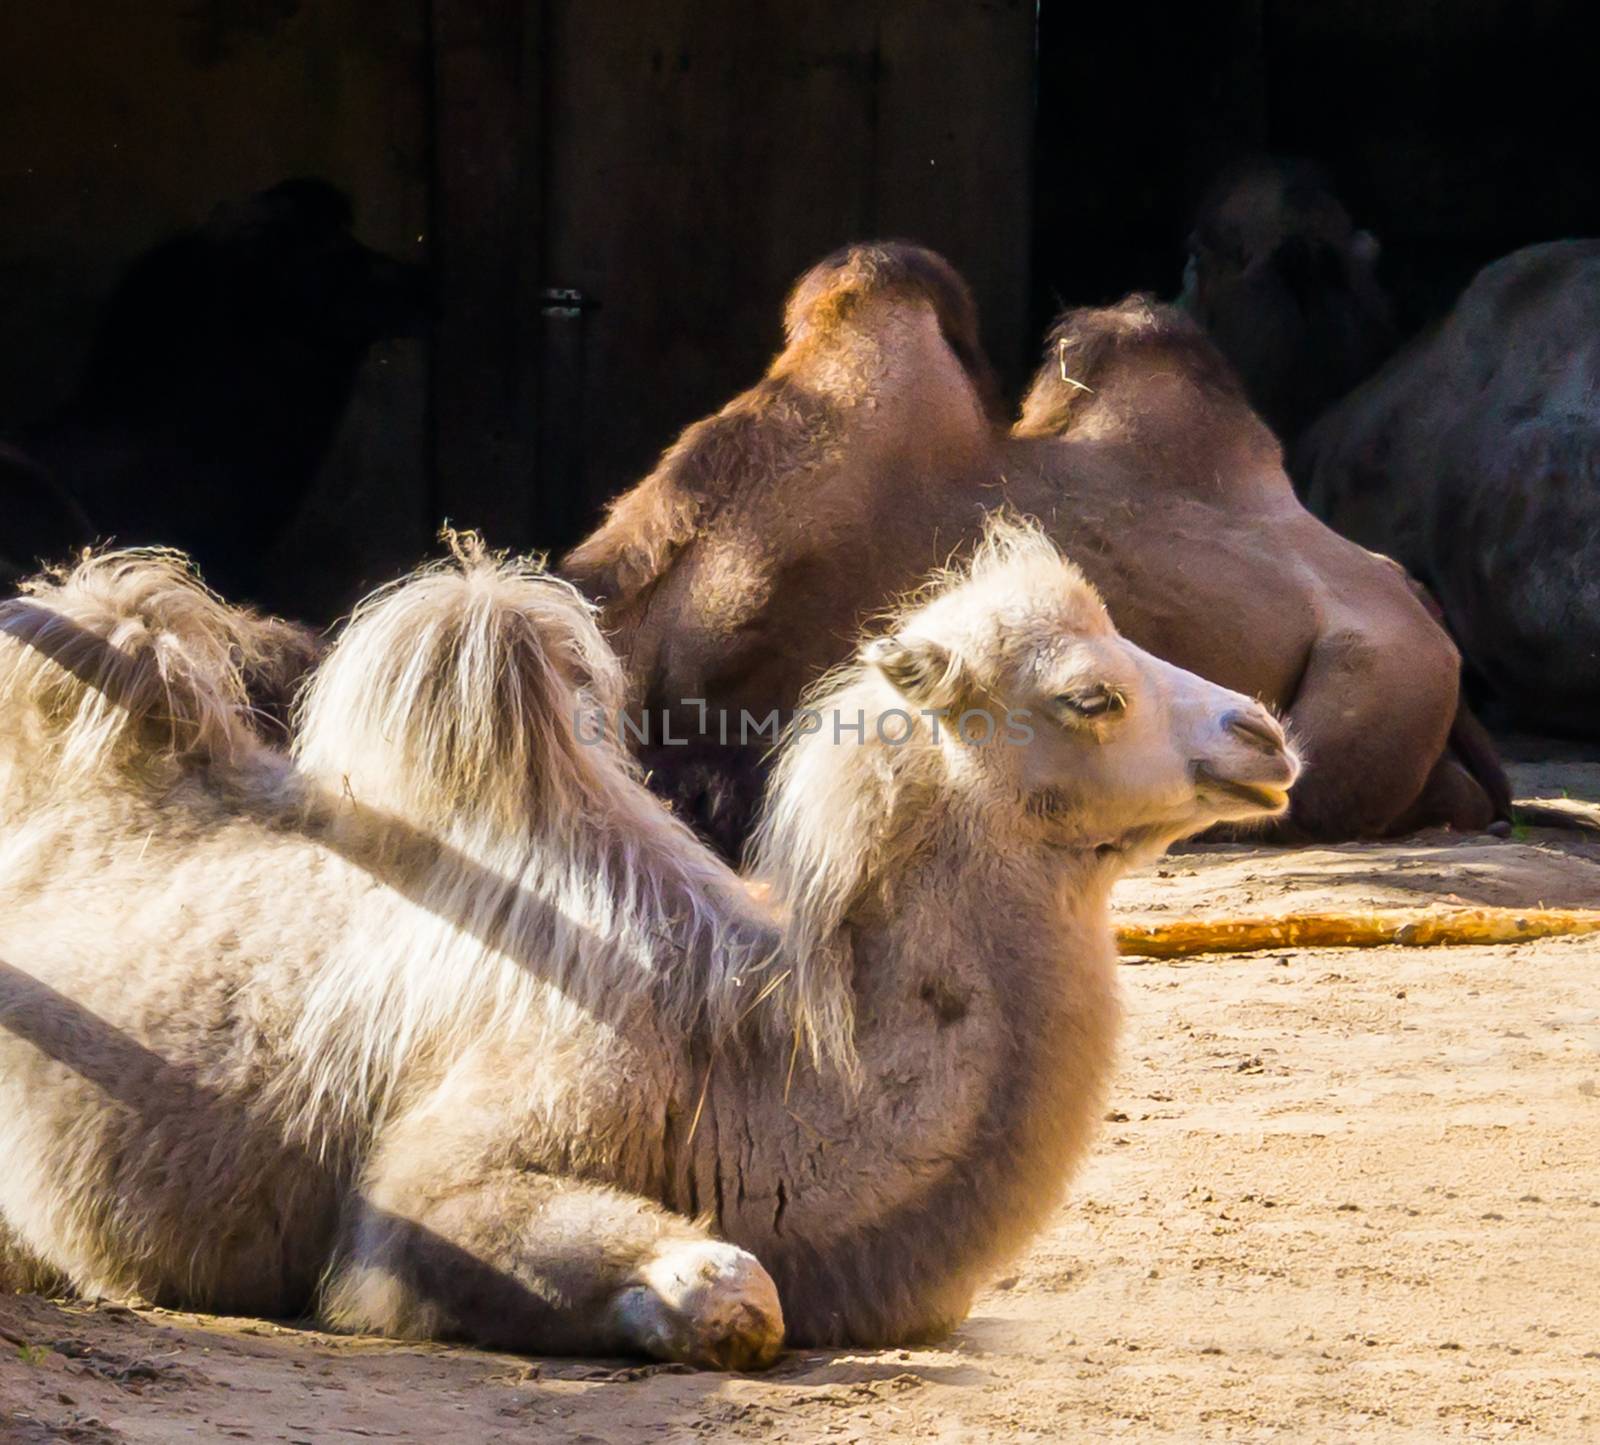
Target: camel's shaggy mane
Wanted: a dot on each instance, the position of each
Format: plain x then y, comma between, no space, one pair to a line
451,706
829,827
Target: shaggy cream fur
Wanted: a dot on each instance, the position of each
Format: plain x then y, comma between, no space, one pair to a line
444,1027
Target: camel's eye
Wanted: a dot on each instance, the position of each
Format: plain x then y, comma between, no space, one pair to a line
1097,701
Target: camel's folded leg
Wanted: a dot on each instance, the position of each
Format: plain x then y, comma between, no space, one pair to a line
1371,723
549,1265
1451,798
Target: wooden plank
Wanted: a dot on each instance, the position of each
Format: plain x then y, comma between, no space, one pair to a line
1380,928
701,154
954,151
482,347
121,126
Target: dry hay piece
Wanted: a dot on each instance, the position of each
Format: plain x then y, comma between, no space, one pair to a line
1382,927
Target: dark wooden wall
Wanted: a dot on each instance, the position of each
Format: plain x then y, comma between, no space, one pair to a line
669,167
615,194
676,163
121,125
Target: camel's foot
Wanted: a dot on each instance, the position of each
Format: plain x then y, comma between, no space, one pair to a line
705,1303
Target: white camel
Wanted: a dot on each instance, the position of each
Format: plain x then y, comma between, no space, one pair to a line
443,1027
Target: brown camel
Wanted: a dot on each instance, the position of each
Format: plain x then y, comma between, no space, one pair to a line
745,564
739,569
446,1027
1138,449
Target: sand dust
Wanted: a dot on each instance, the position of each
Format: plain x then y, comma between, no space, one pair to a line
1338,1196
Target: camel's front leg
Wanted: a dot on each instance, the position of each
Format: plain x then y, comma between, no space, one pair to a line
547,1265
1359,782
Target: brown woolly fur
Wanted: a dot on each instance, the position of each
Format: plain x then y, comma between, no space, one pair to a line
880,403
829,325
1172,494
1124,346
445,1027
832,297
867,457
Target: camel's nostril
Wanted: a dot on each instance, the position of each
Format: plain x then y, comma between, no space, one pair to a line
1256,729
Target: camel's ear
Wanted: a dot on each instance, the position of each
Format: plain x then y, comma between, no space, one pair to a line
1189,296
923,671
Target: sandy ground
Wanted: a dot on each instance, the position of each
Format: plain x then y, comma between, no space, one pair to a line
1339,1196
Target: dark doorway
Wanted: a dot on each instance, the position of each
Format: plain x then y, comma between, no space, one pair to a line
1455,132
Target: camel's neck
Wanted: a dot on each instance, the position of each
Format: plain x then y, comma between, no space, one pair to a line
985,1008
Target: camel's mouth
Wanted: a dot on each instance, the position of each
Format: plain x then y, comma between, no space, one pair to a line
1268,797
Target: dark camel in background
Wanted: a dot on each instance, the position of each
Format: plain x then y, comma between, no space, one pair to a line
1472,456
1286,285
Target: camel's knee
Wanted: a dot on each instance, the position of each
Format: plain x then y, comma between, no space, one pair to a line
471,1271
521,1260
1371,732
703,1302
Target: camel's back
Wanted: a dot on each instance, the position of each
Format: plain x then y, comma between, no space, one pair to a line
1512,382
1542,306
1473,457
202,881
1517,360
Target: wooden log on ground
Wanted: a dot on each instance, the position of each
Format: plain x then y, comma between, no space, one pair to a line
1379,928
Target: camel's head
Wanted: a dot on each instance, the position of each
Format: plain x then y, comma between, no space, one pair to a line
1052,714
1288,288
